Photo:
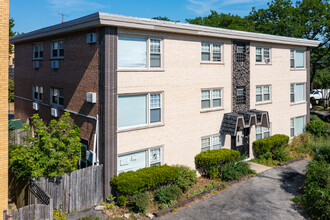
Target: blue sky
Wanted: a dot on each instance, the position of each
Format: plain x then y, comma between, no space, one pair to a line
30,15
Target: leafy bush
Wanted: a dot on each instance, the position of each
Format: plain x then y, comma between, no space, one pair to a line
163,206
168,193
202,189
140,202
186,177
315,127
267,144
121,201
322,152
315,198
209,160
313,101
57,215
234,170
281,154
144,179
314,117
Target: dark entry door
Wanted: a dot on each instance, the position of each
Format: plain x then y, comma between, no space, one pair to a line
240,142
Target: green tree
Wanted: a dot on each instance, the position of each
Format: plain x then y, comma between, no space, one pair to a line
222,20
11,33
52,151
11,88
162,18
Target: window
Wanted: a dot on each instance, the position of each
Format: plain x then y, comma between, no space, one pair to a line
262,55
134,52
211,98
38,92
297,125
139,160
263,93
57,49
211,52
240,96
262,132
56,97
136,110
297,59
297,92
38,51
212,143
240,56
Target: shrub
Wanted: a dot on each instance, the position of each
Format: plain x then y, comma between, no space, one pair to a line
186,177
281,155
315,127
314,117
163,206
313,101
166,194
144,179
322,152
207,160
139,202
234,170
121,201
267,144
57,215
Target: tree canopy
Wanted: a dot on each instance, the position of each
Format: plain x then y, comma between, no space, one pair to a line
52,151
11,33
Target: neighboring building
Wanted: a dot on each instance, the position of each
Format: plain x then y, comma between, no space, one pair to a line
11,64
4,45
162,91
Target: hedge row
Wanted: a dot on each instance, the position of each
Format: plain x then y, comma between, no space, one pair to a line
132,182
272,143
208,162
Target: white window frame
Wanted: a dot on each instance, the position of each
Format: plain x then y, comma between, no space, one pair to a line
211,99
58,97
40,49
263,93
294,59
148,124
294,93
294,125
58,50
147,155
263,131
210,137
263,55
147,55
211,52
34,88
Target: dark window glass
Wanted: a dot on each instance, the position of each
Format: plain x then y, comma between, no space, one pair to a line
240,96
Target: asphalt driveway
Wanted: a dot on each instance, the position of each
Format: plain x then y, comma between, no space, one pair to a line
266,196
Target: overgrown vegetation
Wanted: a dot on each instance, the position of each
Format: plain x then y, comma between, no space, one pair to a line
11,88
186,177
51,151
168,194
140,202
235,170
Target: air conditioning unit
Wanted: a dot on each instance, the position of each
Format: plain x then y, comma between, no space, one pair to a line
55,64
91,38
36,64
54,112
91,97
35,106
267,60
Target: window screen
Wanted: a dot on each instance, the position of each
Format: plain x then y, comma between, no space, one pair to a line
300,92
132,110
299,125
132,52
300,59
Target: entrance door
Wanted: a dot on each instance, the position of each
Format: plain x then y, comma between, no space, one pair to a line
240,142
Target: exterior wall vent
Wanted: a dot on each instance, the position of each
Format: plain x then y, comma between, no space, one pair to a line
55,64
54,112
91,38
35,106
91,97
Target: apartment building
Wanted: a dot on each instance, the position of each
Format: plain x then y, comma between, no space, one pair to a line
148,92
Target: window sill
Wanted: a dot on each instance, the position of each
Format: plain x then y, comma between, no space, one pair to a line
298,103
298,69
211,110
141,70
37,101
264,103
212,63
262,63
37,59
56,58
52,105
121,130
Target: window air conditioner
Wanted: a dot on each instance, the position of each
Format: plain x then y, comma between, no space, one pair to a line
267,60
91,97
35,106
36,64
54,112
91,38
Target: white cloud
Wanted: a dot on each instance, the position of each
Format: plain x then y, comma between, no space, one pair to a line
75,5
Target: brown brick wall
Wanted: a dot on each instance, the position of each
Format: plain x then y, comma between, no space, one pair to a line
77,74
4,35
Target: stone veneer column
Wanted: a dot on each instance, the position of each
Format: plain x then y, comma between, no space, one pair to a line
4,45
108,103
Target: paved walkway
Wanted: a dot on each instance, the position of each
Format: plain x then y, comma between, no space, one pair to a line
258,167
266,196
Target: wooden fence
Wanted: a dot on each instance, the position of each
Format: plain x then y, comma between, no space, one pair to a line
32,212
16,137
74,191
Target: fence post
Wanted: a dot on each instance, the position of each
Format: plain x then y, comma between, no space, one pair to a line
51,208
4,214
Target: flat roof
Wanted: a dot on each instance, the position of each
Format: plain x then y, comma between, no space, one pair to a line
105,19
